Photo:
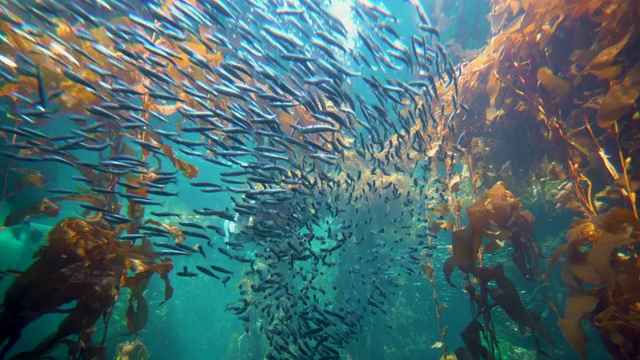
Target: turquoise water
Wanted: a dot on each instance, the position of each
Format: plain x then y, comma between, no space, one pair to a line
324,131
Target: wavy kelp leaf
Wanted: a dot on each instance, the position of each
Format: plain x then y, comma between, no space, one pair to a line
176,232
556,256
32,178
164,268
448,267
95,200
43,207
604,233
523,220
620,99
600,256
508,298
472,339
438,225
501,203
137,315
478,215
579,265
555,85
617,221
493,88
577,307
464,251
144,256
602,65
190,171
74,267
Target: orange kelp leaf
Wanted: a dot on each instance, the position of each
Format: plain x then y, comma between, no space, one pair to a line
44,207
556,256
498,16
617,221
493,87
141,257
578,264
438,225
555,85
464,250
96,200
501,204
137,316
189,171
576,307
35,179
164,268
610,320
427,269
175,231
523,220
581,231
600,256
508,298
75,268
492,113
448,267
602,65
620,99
78,237
135,211
478,215
605,232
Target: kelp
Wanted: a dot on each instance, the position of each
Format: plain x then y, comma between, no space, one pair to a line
429,273
134,350
539,85
82,262
127,264
43,207
602,270
507,297
497,213
553,105
29,179
64,272
473,341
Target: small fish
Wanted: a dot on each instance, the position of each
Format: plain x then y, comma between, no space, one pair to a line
165,214
221,269
168,252
207,271
42,92
186,273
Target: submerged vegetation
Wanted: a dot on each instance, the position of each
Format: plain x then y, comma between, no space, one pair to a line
324,178
553,107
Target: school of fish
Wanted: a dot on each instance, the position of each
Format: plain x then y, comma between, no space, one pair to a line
323,135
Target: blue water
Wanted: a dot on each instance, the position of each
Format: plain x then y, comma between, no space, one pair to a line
196,322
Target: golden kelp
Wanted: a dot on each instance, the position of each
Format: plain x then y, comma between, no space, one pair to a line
556,66
498,212
82,262
553,95
602,270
